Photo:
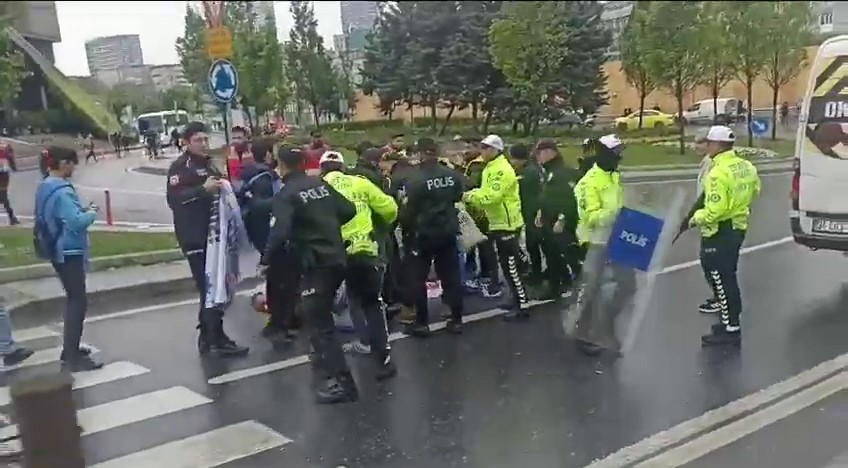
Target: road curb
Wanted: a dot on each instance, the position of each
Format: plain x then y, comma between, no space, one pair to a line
45,270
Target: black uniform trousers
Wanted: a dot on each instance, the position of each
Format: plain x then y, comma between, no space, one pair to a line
511,259
564,258
363,280
210,321
534,242
596,322
281,289
719,259
318,288
445,255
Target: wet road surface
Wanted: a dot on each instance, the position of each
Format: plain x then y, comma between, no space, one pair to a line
501,395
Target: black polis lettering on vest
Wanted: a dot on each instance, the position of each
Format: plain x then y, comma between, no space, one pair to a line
316,193
439,183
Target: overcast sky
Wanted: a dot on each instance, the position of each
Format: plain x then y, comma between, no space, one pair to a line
158,23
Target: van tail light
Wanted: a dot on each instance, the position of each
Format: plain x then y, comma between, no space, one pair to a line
796,183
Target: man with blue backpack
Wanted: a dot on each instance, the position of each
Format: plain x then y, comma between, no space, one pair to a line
60,235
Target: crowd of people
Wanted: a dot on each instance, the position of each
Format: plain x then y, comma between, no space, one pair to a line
386,225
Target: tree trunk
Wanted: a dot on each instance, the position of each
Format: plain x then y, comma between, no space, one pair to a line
434,122
642,96
680,130
487,121
249,118
749,83
774,92
474,113
315,115
515,126
447,119
715,97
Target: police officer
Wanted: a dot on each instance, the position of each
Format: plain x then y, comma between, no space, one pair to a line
308,216
498,196
599,197
364,274
556,218
489,284
193,186
530,190
730,186
430,215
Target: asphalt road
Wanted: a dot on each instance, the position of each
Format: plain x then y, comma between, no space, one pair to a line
501,395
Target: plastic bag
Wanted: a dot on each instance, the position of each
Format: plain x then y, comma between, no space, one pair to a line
469,234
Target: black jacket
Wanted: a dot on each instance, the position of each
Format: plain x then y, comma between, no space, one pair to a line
371,173
189,201
558,195
530,187
255,196
430,212
401,172
308,217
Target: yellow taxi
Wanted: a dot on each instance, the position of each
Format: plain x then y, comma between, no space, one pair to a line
650,119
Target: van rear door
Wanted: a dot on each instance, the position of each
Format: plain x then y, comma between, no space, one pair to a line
822,145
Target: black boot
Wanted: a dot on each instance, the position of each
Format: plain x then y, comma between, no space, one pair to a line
225,347
13,220
386,368
203,342
341,389
417,330
517,312
454,326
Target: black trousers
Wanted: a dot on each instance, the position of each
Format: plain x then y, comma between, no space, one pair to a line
393,271
597,317
210,321
719,259
413,293
72,275
317,291
534,242
363,279
488,260
564,258
282,288
510,258
444,255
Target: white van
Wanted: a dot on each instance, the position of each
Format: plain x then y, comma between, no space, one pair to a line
819,214
703,112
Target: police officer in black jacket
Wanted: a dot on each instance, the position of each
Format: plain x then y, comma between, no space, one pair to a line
557,218
430,216
530,190
308,216
193,185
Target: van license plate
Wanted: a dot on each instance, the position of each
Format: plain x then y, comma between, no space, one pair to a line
830,227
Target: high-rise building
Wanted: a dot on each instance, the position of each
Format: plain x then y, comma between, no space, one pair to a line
614,17
264,11
358,15
165,77
113,52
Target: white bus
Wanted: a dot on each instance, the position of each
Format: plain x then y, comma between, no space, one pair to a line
162,123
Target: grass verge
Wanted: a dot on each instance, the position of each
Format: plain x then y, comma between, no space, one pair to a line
16,244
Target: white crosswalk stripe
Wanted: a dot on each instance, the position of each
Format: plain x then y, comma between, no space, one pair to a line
215,447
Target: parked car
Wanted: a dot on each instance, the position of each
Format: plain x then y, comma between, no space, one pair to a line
650,119
703,112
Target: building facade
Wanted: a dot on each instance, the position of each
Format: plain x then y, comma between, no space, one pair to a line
614,17
831,18
113,52
358,15
264,12
165,77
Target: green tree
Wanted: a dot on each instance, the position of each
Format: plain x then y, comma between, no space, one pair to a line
673,43
474,62
634,53
789,32
715,44
181,97
582,82
749,46
309,60
12,66
192,50
530,56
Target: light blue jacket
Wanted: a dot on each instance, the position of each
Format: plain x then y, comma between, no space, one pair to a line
66,218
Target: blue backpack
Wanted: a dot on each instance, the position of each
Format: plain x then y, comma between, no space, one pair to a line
43,242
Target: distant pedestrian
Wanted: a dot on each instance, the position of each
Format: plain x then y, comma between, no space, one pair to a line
784,113
90,147
7,166
62,238
12,354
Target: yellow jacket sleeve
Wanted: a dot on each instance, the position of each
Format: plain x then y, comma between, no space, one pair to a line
717,200
492,188
381,203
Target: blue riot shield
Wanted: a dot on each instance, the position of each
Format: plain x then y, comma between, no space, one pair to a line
614,287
